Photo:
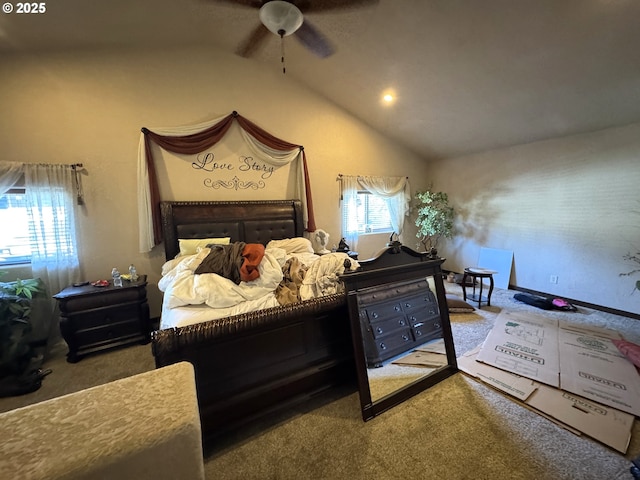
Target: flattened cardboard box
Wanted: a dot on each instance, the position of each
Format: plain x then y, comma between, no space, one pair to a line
578,415
580,359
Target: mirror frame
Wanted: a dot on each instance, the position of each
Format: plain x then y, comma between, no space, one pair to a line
396,263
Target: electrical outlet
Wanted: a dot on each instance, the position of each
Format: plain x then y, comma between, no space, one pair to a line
553,279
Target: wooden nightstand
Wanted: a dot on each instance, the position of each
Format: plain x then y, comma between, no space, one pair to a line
93,319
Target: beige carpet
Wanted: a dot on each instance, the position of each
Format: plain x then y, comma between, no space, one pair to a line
458,429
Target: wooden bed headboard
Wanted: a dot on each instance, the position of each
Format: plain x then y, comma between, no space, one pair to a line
257,221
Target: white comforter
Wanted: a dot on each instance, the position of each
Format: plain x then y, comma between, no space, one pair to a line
182,287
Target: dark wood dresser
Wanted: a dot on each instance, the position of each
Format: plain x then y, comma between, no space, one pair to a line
394,302
93,319
397,317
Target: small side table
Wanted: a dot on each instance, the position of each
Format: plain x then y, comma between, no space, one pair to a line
478,273
93,319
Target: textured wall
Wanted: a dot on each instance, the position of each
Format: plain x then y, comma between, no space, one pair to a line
89,106
568,207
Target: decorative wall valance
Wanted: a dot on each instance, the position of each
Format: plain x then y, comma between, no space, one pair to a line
12,174
194,139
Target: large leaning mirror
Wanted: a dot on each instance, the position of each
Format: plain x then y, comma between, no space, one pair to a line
400,326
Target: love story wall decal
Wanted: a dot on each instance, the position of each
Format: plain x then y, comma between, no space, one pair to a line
234,184
206,162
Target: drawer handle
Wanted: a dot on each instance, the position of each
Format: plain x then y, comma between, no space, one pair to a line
436,325
408,305
396,308
401,322
383,346
379,330
413,318
405,338
374,315
418,333
418,325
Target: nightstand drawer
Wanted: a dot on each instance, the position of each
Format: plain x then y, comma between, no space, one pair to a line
104,298
113,331
103,316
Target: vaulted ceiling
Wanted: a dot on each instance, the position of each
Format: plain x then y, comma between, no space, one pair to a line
468,75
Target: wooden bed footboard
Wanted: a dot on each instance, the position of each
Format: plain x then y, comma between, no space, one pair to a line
253,364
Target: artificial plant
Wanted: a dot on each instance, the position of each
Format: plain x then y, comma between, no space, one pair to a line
435,218
15,324
634,257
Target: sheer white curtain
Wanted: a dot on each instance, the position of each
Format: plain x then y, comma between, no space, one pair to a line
396,192
10,173
50,195
279,158
350,187
145,221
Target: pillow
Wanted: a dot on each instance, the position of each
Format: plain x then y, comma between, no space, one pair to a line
190,246
293,245
457,305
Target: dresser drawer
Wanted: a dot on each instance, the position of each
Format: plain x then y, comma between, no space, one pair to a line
424,315
379,294
397,341
426,300
106,333
376,313
427,330
380,329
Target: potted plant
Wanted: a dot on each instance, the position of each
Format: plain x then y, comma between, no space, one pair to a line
636,259
435,219
16,336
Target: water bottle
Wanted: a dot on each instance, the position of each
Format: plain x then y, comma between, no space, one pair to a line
117,279
133,273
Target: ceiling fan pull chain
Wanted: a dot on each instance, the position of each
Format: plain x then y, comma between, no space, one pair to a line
284,68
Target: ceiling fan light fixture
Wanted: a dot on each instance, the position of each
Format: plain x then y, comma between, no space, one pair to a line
280,17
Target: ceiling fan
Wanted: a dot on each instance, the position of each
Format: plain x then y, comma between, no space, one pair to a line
284,18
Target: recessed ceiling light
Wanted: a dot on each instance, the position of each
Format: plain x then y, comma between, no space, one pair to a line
388,97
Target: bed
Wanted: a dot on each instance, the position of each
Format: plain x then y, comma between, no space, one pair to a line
252,364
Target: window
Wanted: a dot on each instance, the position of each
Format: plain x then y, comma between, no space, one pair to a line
15,237
373,214
18,240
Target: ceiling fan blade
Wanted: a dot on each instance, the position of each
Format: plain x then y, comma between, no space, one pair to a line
314,41
253,41
324,5
245,3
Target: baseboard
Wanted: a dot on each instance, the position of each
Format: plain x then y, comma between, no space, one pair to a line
593,306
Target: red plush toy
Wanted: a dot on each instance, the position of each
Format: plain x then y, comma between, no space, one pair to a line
629,350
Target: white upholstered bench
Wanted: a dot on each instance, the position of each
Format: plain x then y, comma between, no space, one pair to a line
145,426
